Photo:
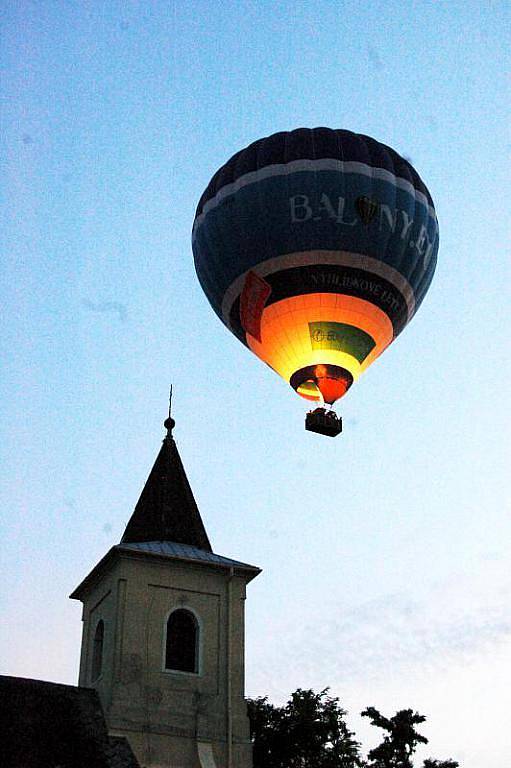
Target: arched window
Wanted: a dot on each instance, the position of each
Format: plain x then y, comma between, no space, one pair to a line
182,642
97,650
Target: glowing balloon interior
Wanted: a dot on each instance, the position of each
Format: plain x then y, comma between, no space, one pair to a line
315,248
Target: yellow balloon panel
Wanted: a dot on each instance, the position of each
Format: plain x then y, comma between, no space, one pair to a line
321,329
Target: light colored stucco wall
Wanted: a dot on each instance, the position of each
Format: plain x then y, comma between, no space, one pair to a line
163,713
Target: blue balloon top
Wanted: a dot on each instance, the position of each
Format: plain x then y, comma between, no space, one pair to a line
317,210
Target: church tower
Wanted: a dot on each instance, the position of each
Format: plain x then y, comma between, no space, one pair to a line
163,632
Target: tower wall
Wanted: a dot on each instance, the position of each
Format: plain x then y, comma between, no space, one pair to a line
165,714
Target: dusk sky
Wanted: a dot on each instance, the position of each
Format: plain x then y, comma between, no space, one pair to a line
385,552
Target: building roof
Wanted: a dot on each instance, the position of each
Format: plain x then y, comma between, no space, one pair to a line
166,522
168,550
184,552
45,725
166,509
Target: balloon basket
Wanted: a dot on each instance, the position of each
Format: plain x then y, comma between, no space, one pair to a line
324,422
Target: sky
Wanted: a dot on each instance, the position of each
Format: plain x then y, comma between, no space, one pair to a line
385,551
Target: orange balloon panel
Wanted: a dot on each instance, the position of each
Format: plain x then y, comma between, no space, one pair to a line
321,342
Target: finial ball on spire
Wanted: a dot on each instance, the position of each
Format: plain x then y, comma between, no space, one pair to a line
169,424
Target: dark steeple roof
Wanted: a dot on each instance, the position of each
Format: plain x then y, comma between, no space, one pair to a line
166,509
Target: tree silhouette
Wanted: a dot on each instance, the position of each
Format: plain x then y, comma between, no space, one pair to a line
308,732
401,741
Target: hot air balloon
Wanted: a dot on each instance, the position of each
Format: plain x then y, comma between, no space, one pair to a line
316,247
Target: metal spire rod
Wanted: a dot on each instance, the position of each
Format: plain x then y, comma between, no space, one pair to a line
169,422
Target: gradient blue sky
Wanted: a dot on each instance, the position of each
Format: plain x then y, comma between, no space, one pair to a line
386,551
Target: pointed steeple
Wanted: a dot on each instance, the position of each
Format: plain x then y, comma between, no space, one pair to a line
166,509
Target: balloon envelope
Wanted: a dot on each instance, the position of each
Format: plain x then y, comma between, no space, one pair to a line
315,248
